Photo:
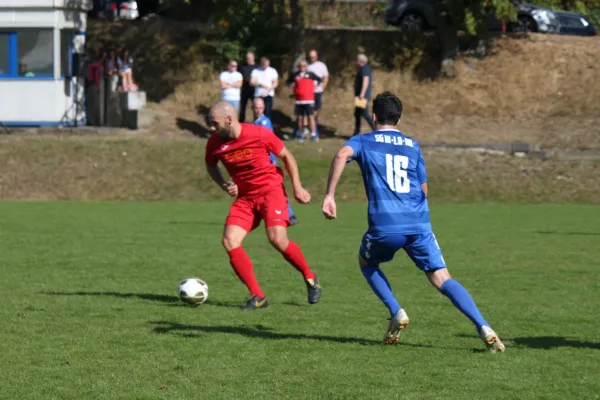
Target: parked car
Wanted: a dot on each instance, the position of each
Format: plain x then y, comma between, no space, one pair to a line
575,24
418,15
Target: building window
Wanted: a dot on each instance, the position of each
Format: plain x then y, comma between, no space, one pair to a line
66,52
34,51
29,53
4,54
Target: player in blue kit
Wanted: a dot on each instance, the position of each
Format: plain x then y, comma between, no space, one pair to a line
395,182
258,106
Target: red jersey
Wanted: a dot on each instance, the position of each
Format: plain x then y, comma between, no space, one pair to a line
246,159
304,86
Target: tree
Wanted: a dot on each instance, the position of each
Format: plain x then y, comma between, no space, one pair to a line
470,15
297,28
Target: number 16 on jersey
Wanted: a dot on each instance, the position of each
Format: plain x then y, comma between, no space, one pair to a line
397,176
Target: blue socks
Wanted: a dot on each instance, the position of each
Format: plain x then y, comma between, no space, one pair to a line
381,287
290,211
460,297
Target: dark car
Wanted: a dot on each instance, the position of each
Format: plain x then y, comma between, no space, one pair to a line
575,24
418,15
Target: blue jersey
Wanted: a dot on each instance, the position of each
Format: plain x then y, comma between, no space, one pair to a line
263,120
393,170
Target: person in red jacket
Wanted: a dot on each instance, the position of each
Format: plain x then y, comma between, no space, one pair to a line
304,92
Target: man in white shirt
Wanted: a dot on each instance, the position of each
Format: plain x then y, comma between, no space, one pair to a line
265,80
231,83
318,68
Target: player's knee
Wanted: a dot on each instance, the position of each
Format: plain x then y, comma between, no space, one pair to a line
438,277
230,243
279,241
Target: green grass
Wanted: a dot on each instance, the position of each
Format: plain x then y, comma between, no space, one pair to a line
89,308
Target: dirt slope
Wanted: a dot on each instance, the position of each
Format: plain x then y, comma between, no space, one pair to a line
541,89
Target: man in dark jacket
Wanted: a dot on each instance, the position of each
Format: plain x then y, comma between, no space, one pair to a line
247,89
363,83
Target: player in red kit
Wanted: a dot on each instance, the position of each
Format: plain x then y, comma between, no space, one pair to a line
244,149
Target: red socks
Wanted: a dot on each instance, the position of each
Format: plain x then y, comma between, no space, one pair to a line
242,265
294,256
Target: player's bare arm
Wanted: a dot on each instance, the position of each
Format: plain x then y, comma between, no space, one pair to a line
217,176
300,194
365,86
425,189
335,172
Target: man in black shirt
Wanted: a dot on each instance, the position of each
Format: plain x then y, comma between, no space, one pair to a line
362,91
247,89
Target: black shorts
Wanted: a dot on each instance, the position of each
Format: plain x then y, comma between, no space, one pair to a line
318,100
305,109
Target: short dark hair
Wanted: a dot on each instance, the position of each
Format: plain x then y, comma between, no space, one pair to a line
387,108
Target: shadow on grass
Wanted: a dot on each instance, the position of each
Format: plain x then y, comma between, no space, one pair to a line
545,342
143,296
209,303
195,128
293,303
568,233
172,301
257,331
551,342
264,332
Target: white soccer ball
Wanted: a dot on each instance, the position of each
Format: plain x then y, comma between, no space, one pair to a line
193,291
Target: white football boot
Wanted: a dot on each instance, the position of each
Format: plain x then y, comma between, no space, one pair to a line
491,339
398,323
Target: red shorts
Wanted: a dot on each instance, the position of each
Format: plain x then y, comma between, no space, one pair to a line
247,212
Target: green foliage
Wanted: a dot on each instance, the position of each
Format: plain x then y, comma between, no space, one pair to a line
249,25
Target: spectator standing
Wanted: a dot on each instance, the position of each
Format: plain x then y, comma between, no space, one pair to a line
265,80
231,83
362,92
96,69
258,106
112,70
304,94
125,64
247,92
318,68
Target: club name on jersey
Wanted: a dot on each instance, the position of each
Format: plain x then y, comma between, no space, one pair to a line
238,155
395,140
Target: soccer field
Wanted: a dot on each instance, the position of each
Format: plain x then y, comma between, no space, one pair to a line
90,307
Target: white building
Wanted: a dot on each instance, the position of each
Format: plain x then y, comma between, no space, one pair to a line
38,41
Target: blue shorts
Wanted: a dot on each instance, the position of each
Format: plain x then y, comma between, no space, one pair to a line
422,248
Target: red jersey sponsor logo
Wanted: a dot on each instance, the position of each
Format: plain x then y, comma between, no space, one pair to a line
247,160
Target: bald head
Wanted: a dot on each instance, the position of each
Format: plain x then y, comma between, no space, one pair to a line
223,120
222,109
361,60
258,106
313,56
